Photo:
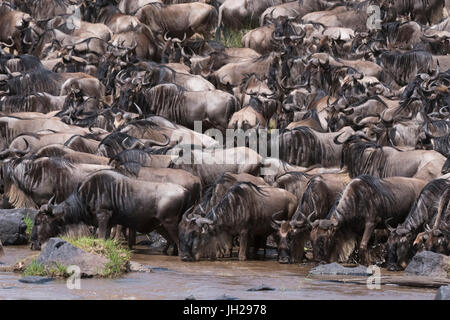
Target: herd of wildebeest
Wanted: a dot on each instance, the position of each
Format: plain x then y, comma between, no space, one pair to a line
97,97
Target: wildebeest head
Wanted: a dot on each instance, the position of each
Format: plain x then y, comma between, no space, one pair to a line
289,234
322,236
436,240
195,233
47,224
398,249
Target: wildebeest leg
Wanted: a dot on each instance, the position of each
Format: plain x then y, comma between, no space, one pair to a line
117,232
243,245
364,253
259,242
172,230
103,221
163,232
131,238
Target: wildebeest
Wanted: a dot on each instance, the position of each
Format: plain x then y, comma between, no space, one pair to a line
209,165
400,243
31,183
179,19
315,202
213,108
361,157
12,24
107,198
37,102
437,238
305,147
366,203
245,210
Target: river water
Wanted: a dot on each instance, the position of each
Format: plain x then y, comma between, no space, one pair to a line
174,279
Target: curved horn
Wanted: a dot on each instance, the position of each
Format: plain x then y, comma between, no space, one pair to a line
51,201
167,38
442,112
119,77
138,109
6,44
157,143
183,53
203,220
336,139
391,229
186,214
133,146
276,38
23,152
27,42
5,154
279,222
308,218
176,40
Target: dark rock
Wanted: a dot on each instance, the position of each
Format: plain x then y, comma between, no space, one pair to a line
138,267
156,269
336,269
59,251
427,263
225,297
155,241
191,297
30,213
443,293
262,288
12,227
35,279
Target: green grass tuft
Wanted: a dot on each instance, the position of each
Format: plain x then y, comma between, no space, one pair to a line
118,256
233,38
36,269
29,224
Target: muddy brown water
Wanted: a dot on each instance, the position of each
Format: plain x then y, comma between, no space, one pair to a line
174,279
